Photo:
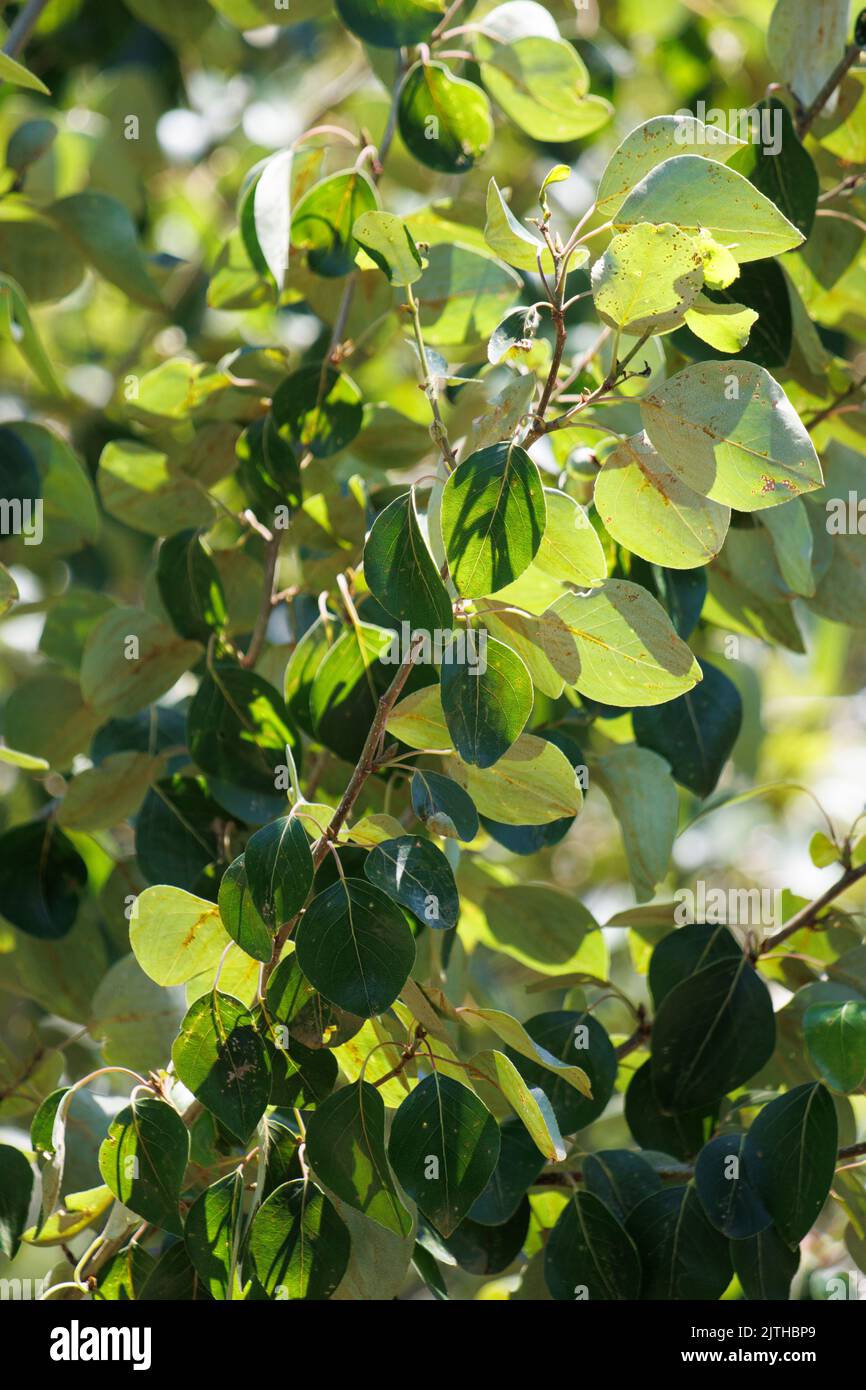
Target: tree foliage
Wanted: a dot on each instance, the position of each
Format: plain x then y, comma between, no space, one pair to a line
431,483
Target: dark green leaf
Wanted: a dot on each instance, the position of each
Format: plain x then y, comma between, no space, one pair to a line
590,1255
237,731
144,1158
418,876
579,1040
279,869
212,1234
681,1255
493,518
713,1031
681,1135
16,1185
836,1039
486,702
355,947
765,1265
190,587
620,1179
221,1058
518,1165
391,23
682,953
726,1190
443,805
239,915
444,120
695,733
310,1018
786,174
790,1154
400,570
346,1147
319,409
298,1246
443,1148
42,878
488,1250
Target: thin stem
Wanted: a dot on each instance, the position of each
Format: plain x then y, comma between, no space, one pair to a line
25,22
437,430
808,915
806,115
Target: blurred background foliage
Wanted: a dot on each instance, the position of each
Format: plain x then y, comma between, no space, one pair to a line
210,99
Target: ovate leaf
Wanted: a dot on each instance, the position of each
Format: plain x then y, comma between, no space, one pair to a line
589,1254
443,1148
221,1058
355,946
346,1147
298,1246
493,518
144,1158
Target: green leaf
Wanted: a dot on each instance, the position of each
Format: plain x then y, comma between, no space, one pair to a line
21,329
681,1255
695,734
70,513
517,1167
190,587
19,76
589,1254
212,1233
648,145
221,1058
570,549
542,85
724,326
443,806
780,168
485,709
700,195
531,1105
623,648
417,875
443,1149
516,244
239,914
493,518
647,508
632,779
176,836
712,1032
104,796
310,1019
620,1179
836,1040
298,1246
346,688
532,784
791,1155
765,1265
726,1191
463,295
42,879
16,1185
388,241
400,570
237,733
130,659
8,590
569,1039
279,869
319,409
647,279
391,23
144,1158
728,431
525,1045
681,1135
134,1020
271,214
355,947
324,217
445,121
104,232
345,1144
805,42
794,544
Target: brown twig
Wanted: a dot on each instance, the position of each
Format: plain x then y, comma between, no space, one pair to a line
808,916
806,115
